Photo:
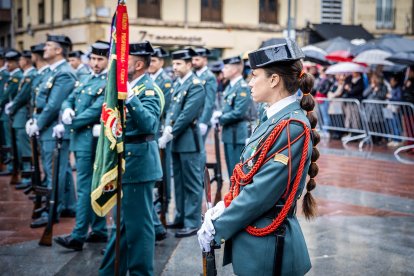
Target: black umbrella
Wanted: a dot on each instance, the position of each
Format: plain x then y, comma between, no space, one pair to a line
335,44
402,58
316,55
389,43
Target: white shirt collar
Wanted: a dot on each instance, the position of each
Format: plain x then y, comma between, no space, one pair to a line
80,66
100,74
182,80
56,64
235,80
27,71
3,68
155,76
42,69
135,81
277,106
201,71
14,71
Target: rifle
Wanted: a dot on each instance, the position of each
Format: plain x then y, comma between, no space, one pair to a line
46,238
15,177
209,258
162,189
36,180
217,166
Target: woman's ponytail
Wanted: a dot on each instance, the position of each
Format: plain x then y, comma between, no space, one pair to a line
307,103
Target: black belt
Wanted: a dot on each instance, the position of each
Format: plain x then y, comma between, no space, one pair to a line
275,210
138,139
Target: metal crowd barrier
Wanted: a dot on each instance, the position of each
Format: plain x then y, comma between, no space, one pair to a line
371,118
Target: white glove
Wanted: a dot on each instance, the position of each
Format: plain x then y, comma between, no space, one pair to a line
215,118
203,128
130,93
96,130
217,210
7,107
204,238
165,138
32,129
27,126
58,131
67,116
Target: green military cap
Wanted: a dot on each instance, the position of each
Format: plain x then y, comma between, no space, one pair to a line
287,51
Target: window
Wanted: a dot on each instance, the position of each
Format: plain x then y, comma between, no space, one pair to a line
149,9
19,18
211,10
66,9
331,11
268,11
41,11
385,14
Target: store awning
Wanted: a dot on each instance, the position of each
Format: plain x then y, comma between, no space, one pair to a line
328,31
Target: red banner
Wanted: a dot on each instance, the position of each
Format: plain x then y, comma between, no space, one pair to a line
122,50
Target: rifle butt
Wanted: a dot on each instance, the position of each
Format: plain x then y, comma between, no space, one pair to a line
46,239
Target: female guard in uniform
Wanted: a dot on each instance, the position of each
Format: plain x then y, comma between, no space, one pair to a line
257,218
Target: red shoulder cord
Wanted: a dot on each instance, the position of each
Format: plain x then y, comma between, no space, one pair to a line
239,178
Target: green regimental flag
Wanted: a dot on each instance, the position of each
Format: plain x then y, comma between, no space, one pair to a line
109,152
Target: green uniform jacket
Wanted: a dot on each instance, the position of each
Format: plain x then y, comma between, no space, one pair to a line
82,72
21,103
234,119
10,87
186,107
52,92
86,100
41,76
252,255
144,110
164,82
210,87
4,76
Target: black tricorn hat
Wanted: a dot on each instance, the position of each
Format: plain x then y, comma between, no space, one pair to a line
12,54
75,54
26,54
61,39
216,66
233,60
141,49
100,48
160,53
38,48
103,42
184,54
283,52
203,52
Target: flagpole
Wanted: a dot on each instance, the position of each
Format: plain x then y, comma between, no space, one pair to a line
118,203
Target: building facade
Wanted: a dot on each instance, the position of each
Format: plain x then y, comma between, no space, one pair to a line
230,27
